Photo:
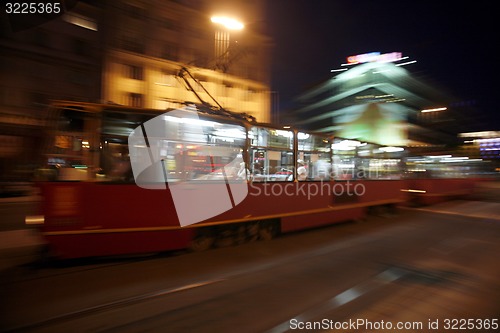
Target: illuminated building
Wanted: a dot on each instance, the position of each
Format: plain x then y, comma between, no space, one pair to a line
483,144
373,97
149,41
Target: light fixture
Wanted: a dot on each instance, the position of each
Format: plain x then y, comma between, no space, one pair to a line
227,22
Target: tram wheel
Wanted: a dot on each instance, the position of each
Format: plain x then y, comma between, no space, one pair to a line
252,232
268,230
202,241
240,235
225,237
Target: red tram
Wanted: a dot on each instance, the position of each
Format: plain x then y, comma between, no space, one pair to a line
238,180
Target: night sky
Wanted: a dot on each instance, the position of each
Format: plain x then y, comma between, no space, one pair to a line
454,43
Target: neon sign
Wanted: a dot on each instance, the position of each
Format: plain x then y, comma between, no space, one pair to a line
374,57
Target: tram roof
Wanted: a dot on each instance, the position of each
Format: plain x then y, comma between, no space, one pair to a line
99,107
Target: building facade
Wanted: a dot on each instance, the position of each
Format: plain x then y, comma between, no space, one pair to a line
380,102
148,42
41,61
126,52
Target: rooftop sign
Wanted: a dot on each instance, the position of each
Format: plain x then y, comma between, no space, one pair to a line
373,57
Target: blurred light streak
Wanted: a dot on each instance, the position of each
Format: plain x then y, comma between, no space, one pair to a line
434,110
407,63
414,191
338,70
81,21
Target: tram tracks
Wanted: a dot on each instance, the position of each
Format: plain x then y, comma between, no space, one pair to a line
37,270
121,303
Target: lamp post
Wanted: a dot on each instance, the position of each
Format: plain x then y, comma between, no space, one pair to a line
222,37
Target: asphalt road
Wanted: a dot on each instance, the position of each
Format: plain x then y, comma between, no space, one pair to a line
419,271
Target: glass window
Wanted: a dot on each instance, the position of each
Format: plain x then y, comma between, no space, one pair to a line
272,138
135,100
115,160
271,154
314,159
195,148
360,160
115,157
70,144
134,72
344,159
379,162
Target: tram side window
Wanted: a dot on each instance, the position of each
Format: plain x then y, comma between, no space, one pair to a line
200,149
115,160
344,159
383,168
385,163
271,154
189,147
314,153
366,161
360,160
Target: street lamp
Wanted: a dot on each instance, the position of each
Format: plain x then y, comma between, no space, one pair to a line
225,24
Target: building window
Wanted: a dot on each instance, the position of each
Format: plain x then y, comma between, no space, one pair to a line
136,100
167,78
170,52
78,77
168,23
250,95
81,47
132,44
134,72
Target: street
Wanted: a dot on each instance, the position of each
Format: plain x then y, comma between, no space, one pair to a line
418,271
